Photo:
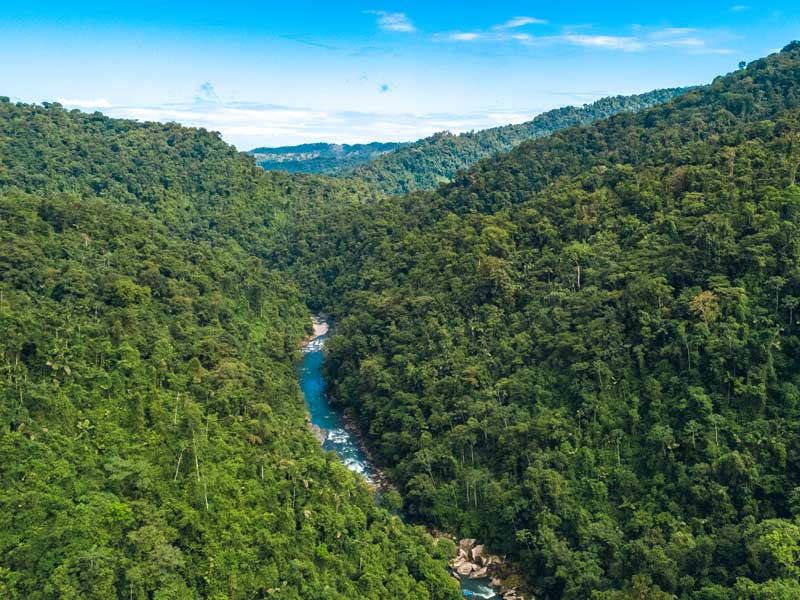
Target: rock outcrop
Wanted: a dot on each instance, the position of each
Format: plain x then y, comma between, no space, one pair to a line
475,561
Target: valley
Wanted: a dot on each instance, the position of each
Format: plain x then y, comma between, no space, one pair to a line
326,421
328,424
578,356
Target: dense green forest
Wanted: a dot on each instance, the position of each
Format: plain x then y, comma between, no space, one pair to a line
584,352
153,440
427,163
320,158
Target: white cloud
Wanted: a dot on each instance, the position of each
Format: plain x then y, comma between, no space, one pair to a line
613,42
504,118
499,33
671,32
675,38
590,41
389,21
95,103
739,7
462,36
684,38
705,50
515,22
251,124
488,36
688,40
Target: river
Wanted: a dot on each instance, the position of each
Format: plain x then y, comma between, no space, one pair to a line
327,417
337,437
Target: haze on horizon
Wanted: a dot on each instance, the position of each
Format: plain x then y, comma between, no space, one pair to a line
266,74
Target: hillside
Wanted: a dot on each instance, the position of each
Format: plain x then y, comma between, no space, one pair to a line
319,158
154,443
426,164
584,351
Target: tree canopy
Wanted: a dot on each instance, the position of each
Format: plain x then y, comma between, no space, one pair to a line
583,352
429,162
153,439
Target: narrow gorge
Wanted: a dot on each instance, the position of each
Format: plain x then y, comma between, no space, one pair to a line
473,565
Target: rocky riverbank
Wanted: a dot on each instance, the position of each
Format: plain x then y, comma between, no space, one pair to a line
326,421
319,326
481,574
474,561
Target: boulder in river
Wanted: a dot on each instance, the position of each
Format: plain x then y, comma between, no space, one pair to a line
465,568
477,553
479,572
475,562
466,544
318,432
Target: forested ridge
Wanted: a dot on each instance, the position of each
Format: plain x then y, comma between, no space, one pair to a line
584,352
429,162
153,440
320,158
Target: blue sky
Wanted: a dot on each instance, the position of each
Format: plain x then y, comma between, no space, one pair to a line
269,73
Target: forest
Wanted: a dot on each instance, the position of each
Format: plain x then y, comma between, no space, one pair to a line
426,164
582,352
153,441
319,158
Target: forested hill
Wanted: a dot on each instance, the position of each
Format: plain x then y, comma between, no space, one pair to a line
319,158
427,163
585,352
153,441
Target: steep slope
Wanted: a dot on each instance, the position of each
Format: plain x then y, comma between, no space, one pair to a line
584,352
199,186
429,162
319,158
153,441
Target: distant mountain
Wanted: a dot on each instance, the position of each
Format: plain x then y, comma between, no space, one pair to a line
320,158
429,162
398,168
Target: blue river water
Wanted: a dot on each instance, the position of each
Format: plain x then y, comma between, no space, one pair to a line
339,439
327,417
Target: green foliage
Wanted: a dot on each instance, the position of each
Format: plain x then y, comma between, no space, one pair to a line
429,162
583,352
319,158
153,442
